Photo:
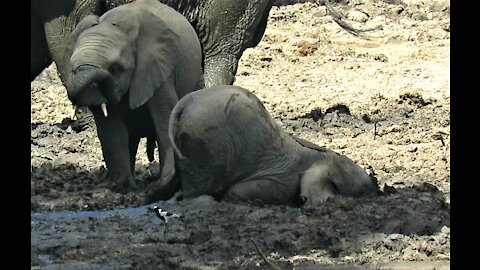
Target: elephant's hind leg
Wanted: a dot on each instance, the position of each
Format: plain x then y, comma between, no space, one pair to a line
263,190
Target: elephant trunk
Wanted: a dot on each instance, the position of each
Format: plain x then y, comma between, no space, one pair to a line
89,86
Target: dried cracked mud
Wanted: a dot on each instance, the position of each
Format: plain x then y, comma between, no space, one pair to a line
383,100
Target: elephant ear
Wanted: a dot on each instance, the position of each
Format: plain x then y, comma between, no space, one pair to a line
85,23
156,54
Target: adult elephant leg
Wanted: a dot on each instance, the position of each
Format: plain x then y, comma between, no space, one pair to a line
114,138
233,26
39,55
133,147
220,70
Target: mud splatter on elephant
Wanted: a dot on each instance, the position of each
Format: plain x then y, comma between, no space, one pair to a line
228,146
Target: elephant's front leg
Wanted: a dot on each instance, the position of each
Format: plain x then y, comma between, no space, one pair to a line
160,106
114,138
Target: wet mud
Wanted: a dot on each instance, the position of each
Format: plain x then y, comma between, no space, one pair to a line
383,101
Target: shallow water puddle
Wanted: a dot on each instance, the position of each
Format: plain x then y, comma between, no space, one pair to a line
133,212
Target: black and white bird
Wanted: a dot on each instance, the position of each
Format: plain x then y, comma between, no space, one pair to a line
163,215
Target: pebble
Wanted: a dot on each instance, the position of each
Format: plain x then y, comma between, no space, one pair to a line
357,16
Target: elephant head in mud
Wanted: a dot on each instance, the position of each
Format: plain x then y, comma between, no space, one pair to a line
130,66
228,146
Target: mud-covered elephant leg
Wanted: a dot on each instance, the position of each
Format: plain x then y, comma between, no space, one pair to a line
113,135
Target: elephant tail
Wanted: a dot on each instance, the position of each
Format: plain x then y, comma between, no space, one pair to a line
339,19
173,125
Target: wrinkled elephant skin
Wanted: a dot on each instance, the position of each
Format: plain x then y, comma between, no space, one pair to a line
225,29
130,66
228,146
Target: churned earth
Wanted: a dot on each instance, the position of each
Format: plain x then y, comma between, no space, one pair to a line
383,100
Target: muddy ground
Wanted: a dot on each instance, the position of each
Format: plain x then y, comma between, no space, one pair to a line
384,101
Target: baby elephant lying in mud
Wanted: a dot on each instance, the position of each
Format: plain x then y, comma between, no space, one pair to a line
228,146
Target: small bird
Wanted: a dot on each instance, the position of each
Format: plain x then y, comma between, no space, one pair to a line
163,214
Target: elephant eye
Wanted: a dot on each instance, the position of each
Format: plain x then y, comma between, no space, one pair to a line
115,68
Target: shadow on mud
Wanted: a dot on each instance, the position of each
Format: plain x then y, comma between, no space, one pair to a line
68,186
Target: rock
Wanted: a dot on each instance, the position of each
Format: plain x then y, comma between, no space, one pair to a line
322,12
357,16
259,214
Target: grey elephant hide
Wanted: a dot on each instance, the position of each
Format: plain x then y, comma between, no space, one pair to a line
225,29
130,66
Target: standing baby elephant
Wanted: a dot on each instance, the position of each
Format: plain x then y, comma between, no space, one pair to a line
130,66
228,146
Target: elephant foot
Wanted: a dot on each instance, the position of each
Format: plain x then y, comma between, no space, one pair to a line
122,187
163,190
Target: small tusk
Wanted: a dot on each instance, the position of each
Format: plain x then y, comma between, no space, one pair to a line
74,117
104,109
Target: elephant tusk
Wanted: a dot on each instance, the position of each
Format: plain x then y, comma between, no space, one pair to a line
104,109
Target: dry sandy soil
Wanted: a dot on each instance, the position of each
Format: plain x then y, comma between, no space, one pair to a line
384,101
